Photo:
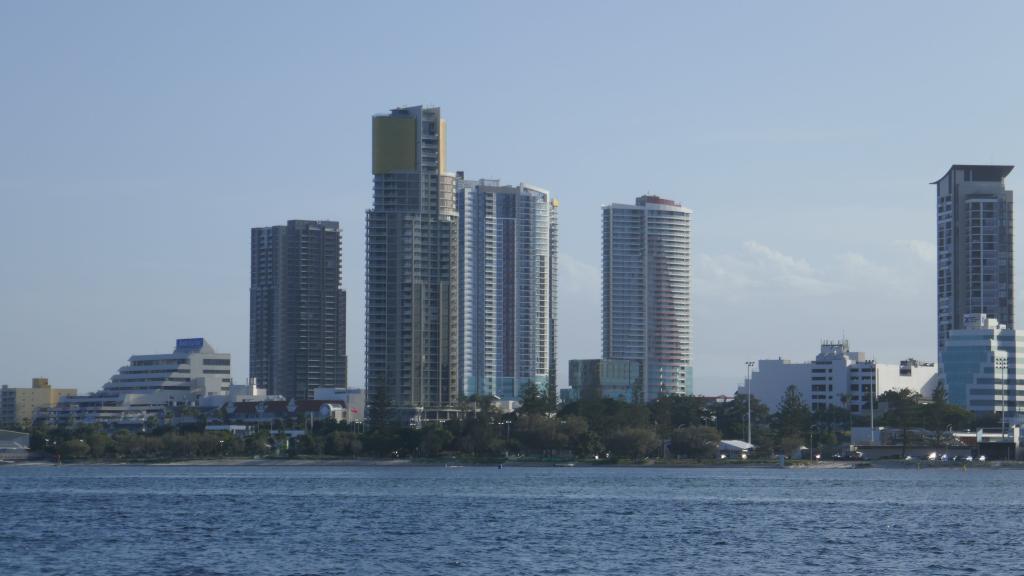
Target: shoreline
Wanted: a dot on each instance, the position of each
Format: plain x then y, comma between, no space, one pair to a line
412,463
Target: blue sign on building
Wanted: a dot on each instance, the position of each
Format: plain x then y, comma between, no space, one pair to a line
190,344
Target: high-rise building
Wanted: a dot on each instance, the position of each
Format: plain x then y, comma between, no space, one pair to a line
412,269
975,246
646,292
297,309
507,279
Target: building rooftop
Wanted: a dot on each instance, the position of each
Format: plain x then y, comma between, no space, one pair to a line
981,172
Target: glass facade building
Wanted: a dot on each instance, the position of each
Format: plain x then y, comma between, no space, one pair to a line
593,379
507,281
646,292
974,246
979,364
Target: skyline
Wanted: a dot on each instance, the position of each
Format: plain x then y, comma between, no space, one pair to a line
812,193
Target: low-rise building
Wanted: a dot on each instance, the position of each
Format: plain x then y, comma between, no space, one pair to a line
13,445
735,449
838,377
354,399
19,405
296,411
151,385
605,378
979,367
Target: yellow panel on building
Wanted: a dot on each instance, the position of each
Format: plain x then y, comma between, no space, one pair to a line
442,145
394,144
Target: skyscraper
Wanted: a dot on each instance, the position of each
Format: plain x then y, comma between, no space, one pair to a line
297,309
975,246
412,268
507,278
646,292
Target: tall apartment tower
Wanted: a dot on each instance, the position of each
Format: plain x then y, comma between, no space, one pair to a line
508,283
646,292
975,246
297,309
412,268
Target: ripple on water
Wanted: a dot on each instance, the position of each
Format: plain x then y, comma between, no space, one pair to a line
205,521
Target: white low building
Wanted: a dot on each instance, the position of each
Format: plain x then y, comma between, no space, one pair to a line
151,385
238,393
354,400
838,377
735,448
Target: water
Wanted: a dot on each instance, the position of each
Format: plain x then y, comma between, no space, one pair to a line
313,520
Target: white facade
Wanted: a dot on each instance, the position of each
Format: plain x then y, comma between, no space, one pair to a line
646,292
354,400
151,384
838,377
507,283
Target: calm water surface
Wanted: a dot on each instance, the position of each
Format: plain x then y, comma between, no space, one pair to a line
310,520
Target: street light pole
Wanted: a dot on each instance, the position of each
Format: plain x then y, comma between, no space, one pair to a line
872,410
749,421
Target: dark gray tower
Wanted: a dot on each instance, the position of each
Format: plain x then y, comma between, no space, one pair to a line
297,309
974,245
412,268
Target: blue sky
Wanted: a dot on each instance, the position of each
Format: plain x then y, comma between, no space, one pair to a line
140,141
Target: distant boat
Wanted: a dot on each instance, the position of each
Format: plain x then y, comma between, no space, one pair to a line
565,464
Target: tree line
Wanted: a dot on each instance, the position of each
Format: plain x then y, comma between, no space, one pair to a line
591,429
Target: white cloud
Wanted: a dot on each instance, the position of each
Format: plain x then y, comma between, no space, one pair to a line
862,274
922,249
577,278
755,270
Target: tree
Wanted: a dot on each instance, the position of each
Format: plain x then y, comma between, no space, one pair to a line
793,418
731,420
583,441
607,415
539,434
901,412
534,402
73,449
696,442
433,440
632,442
380,413
831,421
671,412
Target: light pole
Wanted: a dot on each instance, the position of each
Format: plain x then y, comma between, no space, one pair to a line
749,422
872,384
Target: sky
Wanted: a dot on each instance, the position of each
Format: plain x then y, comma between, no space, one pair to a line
140,141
